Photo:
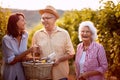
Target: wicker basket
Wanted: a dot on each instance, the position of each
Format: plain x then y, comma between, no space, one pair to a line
40,71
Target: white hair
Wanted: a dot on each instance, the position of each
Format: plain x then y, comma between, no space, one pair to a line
92,28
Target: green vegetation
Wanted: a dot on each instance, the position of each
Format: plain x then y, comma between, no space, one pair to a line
31,33
108,24
106,20
4,14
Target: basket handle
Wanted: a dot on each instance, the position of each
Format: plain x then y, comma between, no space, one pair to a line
33,58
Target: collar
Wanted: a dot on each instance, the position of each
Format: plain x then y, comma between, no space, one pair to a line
90,46
56,29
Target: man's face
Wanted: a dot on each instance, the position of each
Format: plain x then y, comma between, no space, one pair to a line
48,20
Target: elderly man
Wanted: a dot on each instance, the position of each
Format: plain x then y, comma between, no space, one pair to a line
53,39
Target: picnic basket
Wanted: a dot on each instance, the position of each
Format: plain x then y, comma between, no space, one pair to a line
40,71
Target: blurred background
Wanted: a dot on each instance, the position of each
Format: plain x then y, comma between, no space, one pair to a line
104,13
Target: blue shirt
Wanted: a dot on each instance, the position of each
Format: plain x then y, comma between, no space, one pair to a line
10,49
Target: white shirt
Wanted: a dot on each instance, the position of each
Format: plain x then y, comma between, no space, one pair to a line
82,61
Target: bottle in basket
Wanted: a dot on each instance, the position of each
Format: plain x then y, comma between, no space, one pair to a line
51,57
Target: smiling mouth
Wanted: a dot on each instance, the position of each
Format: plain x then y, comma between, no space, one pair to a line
84,36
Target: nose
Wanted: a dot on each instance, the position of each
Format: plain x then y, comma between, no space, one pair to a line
24,21
85,32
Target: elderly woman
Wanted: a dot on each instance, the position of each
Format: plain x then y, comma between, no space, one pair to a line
90,60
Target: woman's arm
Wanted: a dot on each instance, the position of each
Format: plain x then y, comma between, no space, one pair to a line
89,74
21,56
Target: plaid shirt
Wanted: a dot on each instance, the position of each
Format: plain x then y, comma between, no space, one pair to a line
95,60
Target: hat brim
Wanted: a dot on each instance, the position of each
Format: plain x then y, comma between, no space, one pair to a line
48,11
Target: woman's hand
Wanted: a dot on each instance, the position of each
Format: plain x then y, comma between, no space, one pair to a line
27,58
81,78
84,76
36,50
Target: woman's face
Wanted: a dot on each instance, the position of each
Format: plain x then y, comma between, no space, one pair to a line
21,23
86,34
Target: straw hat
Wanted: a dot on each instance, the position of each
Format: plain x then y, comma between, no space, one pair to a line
49,9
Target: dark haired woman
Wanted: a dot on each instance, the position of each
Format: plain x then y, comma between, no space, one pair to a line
14,48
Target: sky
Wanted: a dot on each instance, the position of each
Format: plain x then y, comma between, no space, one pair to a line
58,4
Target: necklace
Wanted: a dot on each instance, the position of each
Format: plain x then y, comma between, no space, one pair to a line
85,48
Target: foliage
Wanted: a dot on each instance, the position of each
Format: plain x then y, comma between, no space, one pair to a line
4,14
31,33
109,35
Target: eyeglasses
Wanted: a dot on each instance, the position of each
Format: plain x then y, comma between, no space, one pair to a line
46,18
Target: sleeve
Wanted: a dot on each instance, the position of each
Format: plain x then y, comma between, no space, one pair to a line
102,60
7,51
69,45
77,68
